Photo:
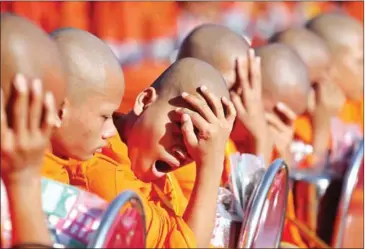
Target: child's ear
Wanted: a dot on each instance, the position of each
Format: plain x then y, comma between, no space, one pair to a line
144,100
62,113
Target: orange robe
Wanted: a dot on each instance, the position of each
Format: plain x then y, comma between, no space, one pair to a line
351,113
187,174
75,14
109,173
55,168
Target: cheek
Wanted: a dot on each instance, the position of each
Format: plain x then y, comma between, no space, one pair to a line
88,126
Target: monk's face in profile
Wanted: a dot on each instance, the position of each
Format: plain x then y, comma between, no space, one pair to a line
88,123
155,143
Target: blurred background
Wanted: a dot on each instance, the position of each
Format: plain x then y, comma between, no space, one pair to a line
146,35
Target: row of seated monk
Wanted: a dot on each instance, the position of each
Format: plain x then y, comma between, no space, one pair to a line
123,24
173,146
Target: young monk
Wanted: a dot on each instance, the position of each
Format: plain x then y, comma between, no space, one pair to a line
344,37
27,124
96,87
184,116
230,56
285,81
325,99
222,55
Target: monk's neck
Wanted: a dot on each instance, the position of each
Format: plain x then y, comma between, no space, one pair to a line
53,150
124,124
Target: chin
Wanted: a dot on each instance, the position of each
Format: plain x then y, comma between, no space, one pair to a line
83,157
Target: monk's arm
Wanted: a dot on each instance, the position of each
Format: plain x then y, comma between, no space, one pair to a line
25,206
321,123
163,229
201,210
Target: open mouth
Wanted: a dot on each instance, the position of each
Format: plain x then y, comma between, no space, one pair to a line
162,166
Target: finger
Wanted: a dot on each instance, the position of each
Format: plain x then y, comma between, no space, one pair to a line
4,122
242,74
238,105
275,121
230,110
214,102
199,122
20,108
256,80
35,113
200,105
49,114
289,114
187,128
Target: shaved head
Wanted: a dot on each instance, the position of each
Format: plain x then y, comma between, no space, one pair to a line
284,77
89,60
310,47
28,50
217,45
153,116
188,74
338,30
96,87
344,36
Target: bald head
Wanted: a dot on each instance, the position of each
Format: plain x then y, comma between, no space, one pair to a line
344,36
188,74
338,30
310,47
284,76
217,45
28,50
91,64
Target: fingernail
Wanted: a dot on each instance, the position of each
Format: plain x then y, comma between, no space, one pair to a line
20,83
281,105
58,122
37,86
49,98
203,88
251,52
224,99
184,94
185,117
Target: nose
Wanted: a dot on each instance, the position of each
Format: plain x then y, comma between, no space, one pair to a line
109,129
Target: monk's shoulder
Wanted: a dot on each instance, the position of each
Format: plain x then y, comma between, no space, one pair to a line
55,168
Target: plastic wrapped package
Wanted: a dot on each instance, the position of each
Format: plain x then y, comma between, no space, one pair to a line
76,218
344,136
233,200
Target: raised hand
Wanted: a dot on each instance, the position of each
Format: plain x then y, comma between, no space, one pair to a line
206,130
328,98
247,99
328,101
213,119
281,128
25,129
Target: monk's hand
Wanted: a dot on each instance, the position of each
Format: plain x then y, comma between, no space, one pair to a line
281,128
25,130
329,98
247,99
213,120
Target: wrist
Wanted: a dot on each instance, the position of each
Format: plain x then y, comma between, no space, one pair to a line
211,163
24,179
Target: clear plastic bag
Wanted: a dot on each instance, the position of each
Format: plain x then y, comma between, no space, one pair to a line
344,136
246,173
